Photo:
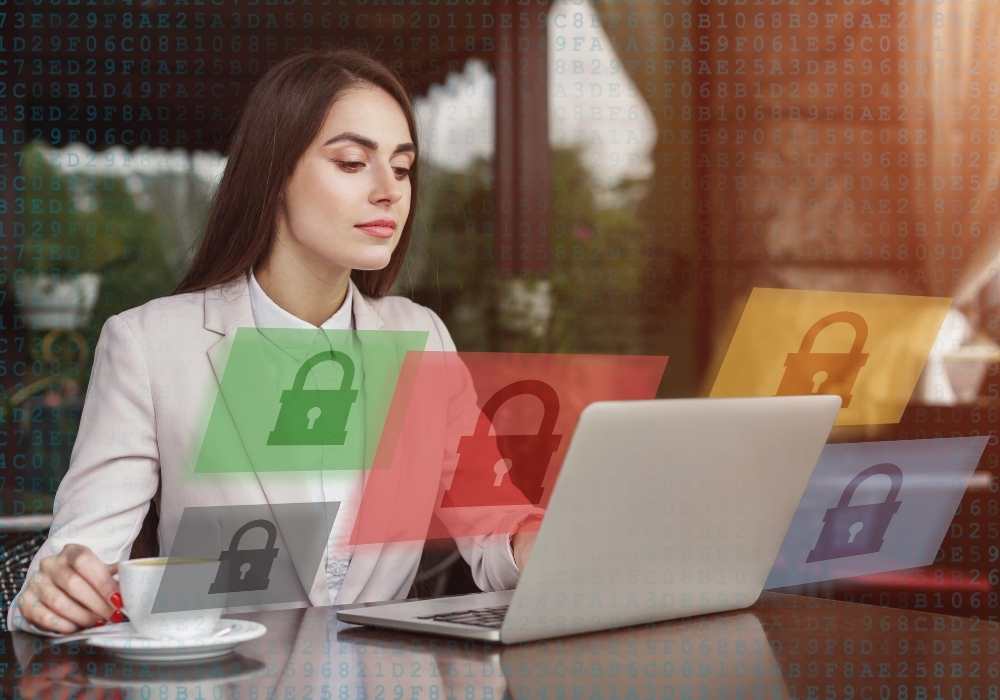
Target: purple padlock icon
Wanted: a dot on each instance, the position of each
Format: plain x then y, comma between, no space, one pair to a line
852,530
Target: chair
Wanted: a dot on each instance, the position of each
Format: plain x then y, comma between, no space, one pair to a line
16,553
17,549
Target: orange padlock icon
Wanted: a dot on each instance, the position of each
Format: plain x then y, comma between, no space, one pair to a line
807,372
489,465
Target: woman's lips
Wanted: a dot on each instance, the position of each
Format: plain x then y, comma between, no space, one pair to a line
378,231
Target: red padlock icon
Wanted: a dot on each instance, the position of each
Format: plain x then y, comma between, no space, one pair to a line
489,465
807,372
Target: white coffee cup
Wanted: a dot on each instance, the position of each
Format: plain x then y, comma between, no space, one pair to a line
139,581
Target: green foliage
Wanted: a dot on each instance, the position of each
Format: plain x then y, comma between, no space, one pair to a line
59,238
596,261
596,264
111,235
453,236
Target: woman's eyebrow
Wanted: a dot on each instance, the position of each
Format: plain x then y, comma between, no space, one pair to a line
368,143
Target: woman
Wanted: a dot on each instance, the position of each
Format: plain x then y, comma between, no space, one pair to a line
308,228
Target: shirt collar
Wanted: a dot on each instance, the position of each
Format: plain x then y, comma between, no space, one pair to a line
267,314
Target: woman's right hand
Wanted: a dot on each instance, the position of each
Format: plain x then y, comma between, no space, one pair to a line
71,591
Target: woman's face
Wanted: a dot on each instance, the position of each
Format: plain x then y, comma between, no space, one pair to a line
355,172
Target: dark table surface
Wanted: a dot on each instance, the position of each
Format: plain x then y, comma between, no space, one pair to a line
784,646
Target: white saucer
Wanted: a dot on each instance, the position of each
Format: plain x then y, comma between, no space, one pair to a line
135,647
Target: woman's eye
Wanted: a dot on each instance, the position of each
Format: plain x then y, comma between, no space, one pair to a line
350,165
353,166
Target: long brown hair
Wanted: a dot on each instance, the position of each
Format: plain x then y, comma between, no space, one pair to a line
282,116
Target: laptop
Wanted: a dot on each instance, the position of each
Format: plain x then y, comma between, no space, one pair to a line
663,509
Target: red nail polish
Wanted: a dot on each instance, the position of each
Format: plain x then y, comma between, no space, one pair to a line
118,616
116,600
101,622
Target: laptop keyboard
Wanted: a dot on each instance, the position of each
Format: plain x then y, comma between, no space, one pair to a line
480,617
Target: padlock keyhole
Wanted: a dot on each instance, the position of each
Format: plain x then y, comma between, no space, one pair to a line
501,469
244,569
854,530
313,415
818,380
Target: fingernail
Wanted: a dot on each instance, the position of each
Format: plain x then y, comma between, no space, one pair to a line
118,616
101,622
116,599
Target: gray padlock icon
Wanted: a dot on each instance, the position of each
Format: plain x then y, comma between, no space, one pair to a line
246,569
852,530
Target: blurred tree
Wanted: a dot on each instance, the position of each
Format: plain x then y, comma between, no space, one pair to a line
596,264
59,238
596,261
451,258
141,272
89,222
76,222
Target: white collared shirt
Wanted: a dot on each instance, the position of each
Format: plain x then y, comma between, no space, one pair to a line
338,484
267,314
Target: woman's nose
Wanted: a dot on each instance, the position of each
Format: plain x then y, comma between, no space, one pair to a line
386,188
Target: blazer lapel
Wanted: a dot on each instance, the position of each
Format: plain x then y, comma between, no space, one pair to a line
365,557
227,308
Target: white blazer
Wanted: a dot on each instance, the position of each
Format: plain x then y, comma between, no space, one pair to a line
140,433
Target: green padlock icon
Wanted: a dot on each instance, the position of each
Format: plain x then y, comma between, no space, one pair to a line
316,416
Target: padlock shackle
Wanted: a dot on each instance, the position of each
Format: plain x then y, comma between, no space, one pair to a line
342,359
272,533
855,320
888,469
535,387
